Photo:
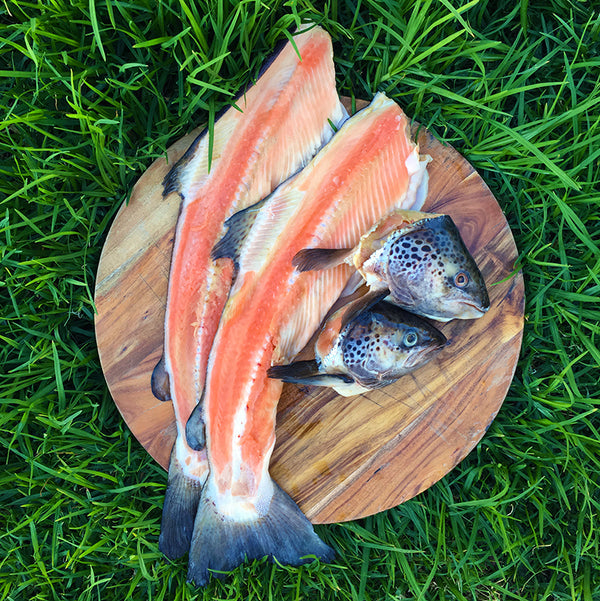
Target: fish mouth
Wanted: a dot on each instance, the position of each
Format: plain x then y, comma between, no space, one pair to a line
479,310
425,354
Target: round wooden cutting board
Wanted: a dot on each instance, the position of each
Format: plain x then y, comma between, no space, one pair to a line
339,458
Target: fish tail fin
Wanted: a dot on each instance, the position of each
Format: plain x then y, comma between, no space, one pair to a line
220,543
187,475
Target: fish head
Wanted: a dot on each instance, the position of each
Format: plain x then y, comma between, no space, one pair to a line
385,342
429,270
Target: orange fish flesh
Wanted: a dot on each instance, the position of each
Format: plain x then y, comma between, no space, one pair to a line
281,123
369,168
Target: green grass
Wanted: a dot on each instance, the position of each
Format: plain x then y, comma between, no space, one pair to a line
92,92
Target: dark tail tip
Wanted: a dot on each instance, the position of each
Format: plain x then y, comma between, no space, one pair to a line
179,510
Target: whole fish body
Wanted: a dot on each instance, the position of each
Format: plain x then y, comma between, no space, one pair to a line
365,344
370,167
419,258
283,119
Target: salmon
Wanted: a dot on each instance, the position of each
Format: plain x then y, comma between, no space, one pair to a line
365,344
370,167
277,125
421,261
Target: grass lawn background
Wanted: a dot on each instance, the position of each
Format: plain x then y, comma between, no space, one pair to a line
92,92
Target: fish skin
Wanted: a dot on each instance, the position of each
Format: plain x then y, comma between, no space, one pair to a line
422,264
420,258
367,169
380,345
282,100
363,346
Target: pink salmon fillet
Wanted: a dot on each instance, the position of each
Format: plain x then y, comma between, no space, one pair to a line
282,122
368,169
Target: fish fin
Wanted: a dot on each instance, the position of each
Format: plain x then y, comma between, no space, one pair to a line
362,304
348,390
307,373
194,165
181,503
310,259
326,380
172,181
297,369
220,544
402,296
238,227
195,432
354,283
372,382
159,382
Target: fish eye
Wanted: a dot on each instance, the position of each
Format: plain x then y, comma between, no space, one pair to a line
461,279
410,338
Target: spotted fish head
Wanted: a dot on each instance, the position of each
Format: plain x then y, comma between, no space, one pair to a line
429,270
385,342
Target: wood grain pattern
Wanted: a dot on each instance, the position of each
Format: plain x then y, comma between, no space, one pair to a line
339,458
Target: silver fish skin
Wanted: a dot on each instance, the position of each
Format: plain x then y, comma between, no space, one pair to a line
420,258
361,348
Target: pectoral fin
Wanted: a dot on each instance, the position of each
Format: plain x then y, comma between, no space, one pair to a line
354,283
401,295
312,259
307,373
361,304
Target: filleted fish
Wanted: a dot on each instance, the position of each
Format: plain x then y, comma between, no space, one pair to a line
369,168
277,125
